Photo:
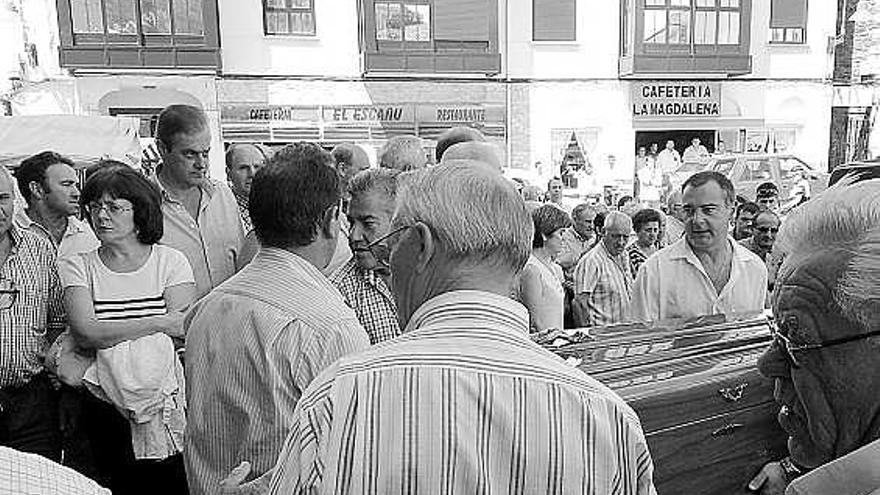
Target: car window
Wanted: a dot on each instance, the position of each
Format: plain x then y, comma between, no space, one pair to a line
757,170
724,166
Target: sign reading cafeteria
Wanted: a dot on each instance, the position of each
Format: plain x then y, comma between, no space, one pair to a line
655,100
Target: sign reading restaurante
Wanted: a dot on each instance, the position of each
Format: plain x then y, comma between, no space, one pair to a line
657,100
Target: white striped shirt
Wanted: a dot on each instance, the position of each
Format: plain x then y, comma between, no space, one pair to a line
252,346
462,402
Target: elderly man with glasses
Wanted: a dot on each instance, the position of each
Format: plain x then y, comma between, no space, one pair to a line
363,280
825,358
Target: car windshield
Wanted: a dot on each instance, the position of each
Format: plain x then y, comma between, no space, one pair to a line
756,170
790,167
724,166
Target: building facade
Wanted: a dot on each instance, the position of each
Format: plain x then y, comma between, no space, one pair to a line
553,82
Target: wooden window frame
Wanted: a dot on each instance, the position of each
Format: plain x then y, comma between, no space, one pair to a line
788,29
290,10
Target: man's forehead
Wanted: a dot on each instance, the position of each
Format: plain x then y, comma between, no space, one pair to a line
706,194
61,169
246,155
199,138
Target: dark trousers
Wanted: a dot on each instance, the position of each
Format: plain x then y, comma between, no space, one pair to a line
115,465
29,418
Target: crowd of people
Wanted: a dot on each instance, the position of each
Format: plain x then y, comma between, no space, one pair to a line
315,324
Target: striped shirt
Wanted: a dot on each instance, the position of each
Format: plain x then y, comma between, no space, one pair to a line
462,402
370,298
127,295
252,346
77,238
30,280
602,288
636,257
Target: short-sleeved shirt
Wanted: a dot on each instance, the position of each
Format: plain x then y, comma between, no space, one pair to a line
673,284
35,313
127,295
608,281
212,243
573,247
77,238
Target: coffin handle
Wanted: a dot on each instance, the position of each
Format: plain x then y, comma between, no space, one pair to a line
733,394
726,429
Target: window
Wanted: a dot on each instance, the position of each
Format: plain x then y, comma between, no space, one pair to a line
697,22
139,34
403,21
788,21
289,17
110,18
554,20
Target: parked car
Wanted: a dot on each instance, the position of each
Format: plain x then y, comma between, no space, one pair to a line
865,170
749,170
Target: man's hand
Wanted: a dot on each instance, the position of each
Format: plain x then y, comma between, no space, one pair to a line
233,483
771,480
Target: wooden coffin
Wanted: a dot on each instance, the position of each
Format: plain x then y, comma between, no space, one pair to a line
708,415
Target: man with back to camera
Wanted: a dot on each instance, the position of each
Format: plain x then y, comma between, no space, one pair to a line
257,341
448,406
49,184
403,153
453,136
826,349
706,272
201,215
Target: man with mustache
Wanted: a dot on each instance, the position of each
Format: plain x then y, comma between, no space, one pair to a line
363,280
826,351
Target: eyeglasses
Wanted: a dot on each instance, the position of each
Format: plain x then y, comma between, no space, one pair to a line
112,209
379,249
8,293
767,230
790,349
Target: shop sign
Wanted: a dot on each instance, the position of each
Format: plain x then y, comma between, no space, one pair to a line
268,112
460,114
368,113
672,100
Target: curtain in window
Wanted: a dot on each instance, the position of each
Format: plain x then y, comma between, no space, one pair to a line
788,13
553,20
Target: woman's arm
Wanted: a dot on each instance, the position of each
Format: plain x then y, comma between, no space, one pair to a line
93,333
533,298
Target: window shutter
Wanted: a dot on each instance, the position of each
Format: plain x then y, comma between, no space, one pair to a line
788,14
553,20
462,20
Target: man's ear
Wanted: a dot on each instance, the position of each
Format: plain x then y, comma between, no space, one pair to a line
426,246
330,222
36,189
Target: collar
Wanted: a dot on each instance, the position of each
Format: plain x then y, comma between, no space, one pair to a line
680,249
478,305
74,225
208,188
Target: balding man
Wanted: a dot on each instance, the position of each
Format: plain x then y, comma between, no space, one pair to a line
454,136
403,153
242,163
603,277
464,400
476,151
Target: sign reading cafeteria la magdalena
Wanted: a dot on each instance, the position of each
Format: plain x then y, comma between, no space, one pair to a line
672,100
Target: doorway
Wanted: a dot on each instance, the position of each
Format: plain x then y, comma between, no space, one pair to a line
682,139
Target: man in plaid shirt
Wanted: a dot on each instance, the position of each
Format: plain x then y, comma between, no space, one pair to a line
363,280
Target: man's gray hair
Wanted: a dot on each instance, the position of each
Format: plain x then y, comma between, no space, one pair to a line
617,219
582,207
844,217
474,213
382,180
403,153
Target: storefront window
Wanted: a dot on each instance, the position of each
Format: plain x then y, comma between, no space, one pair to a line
88,17
188,17
120,16
156,16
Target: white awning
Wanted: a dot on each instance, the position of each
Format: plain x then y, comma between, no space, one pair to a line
83,139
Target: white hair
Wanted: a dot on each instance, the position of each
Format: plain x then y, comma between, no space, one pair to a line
617,219
475,214
845,217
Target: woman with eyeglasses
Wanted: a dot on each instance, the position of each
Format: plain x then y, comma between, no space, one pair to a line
125,303
540,285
